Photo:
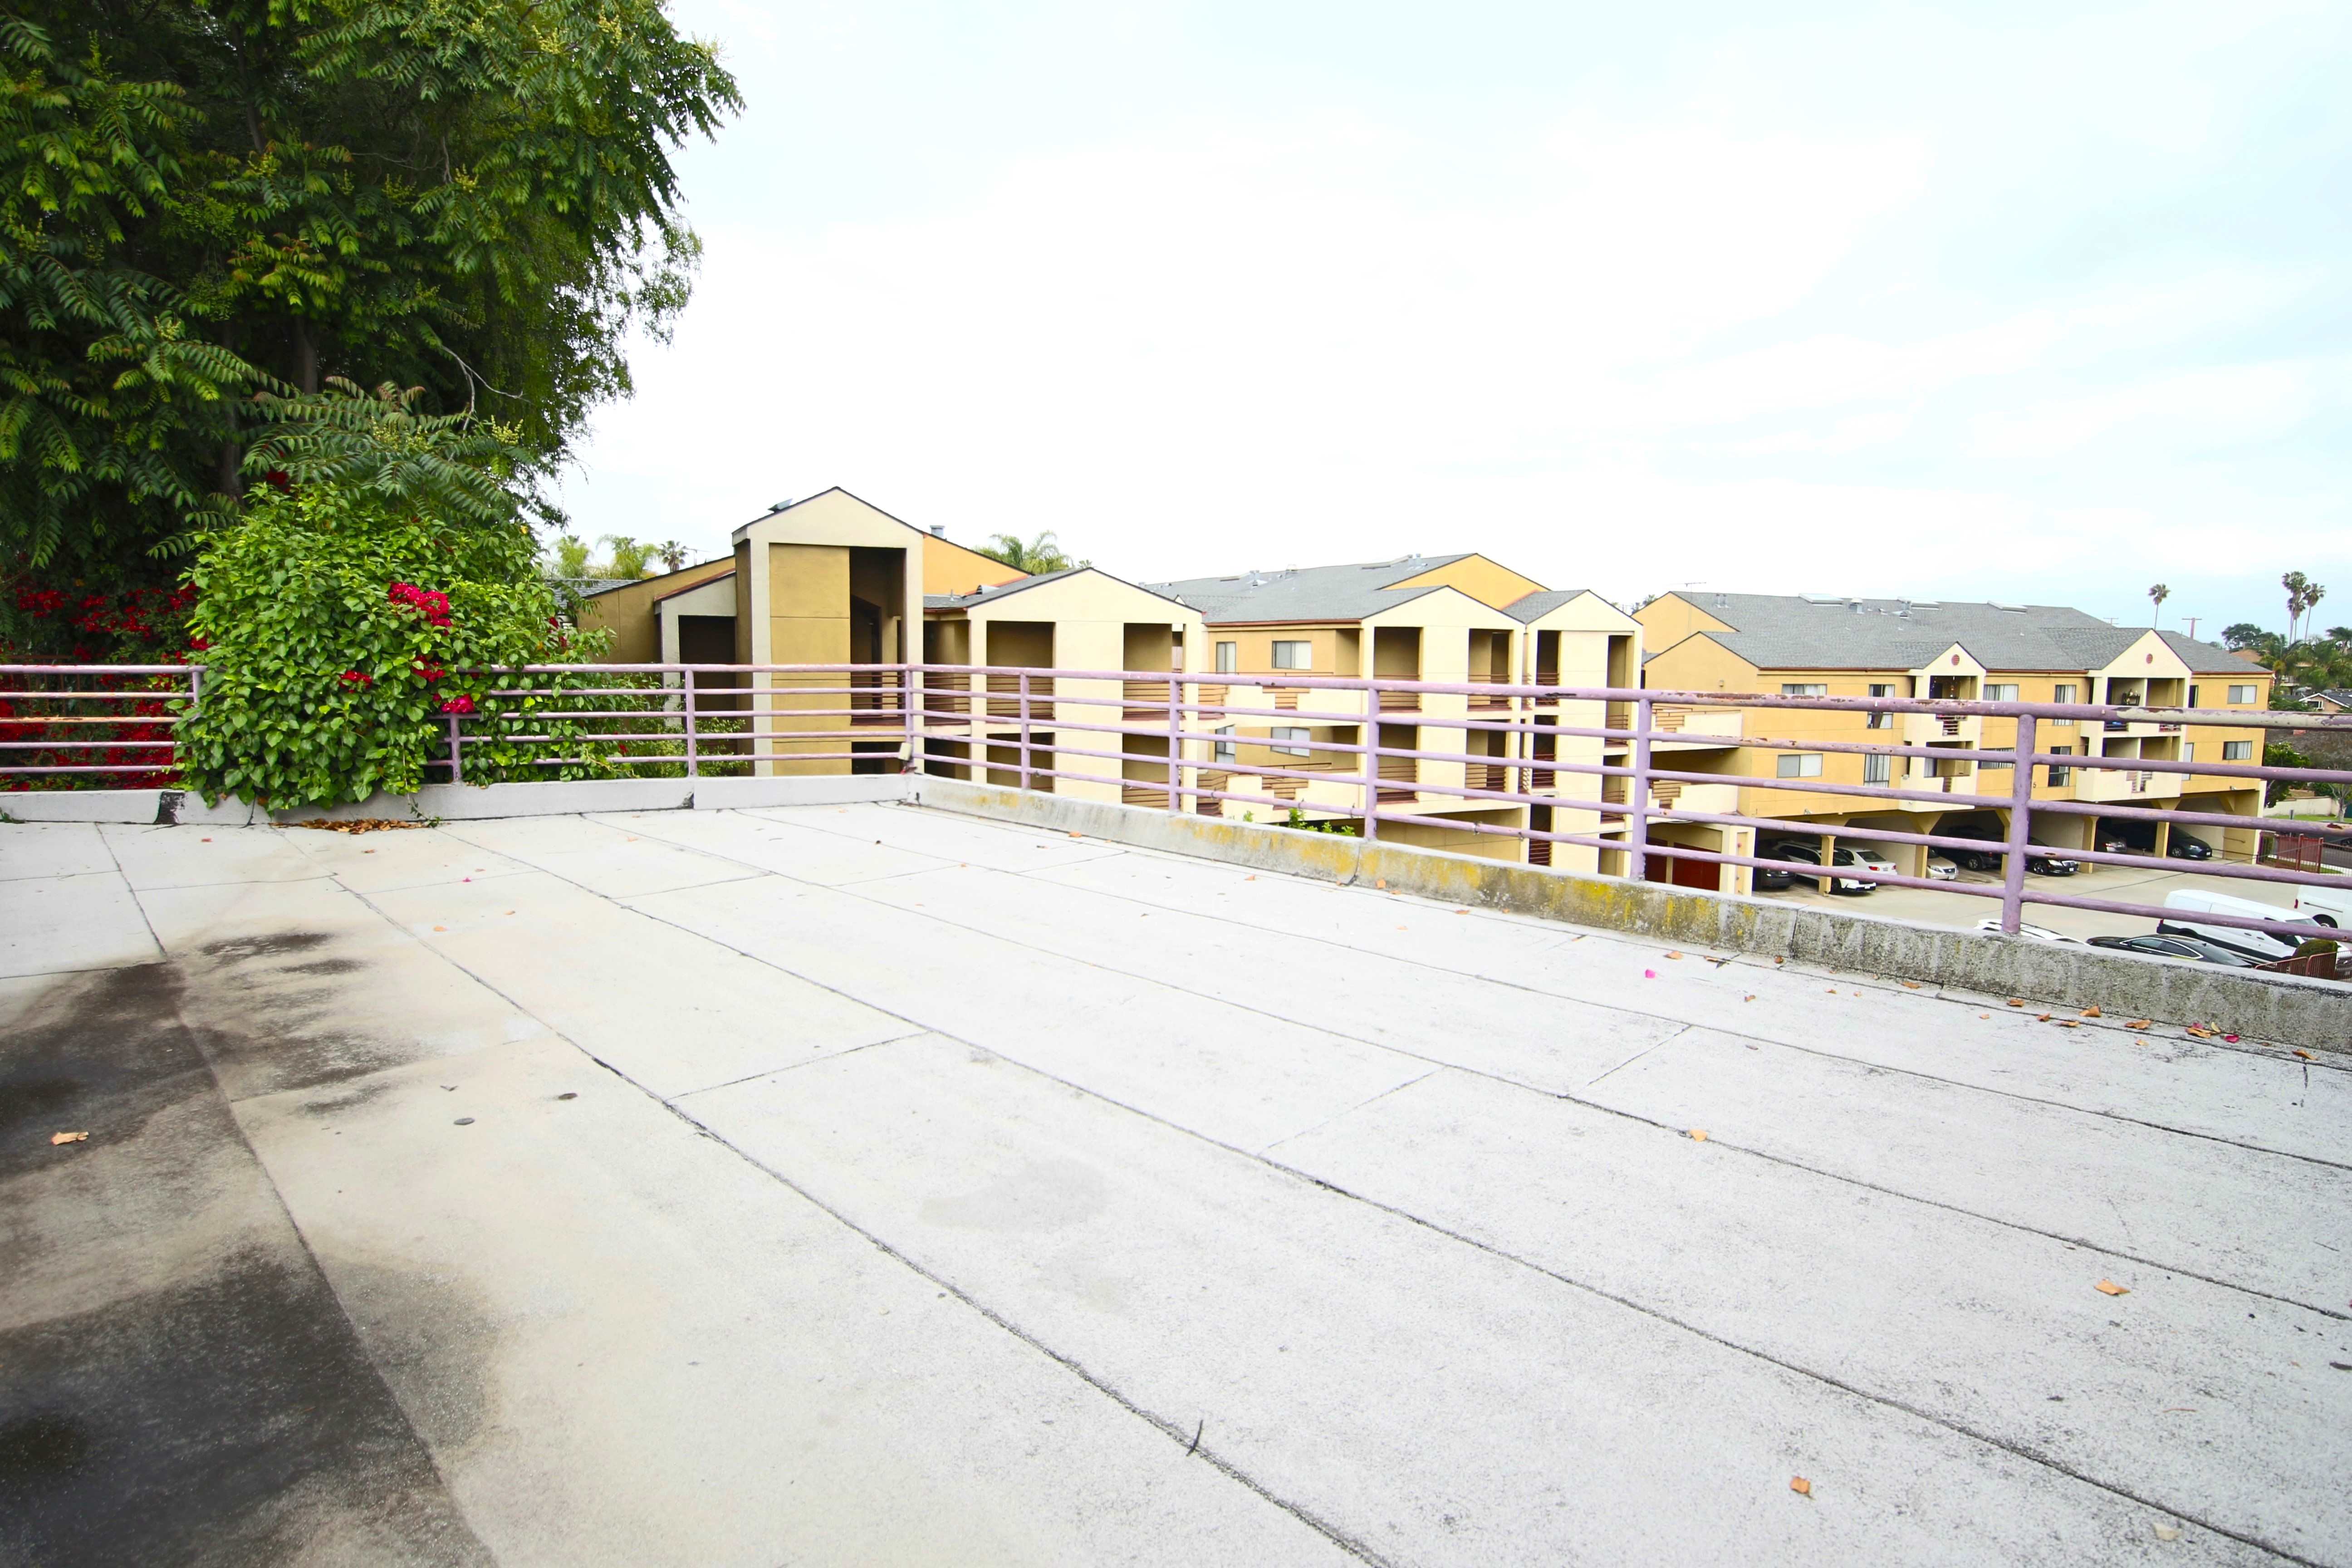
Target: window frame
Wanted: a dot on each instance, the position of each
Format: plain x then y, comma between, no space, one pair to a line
1804,689
1224,749
1309,656
1878,768
2253,691
1280,733
1229,658
2237,751
1797,765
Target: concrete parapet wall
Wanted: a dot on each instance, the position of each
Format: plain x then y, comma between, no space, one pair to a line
2300,1012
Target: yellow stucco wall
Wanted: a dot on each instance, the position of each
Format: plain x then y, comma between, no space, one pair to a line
950,568
628,613
1669,618
1486,580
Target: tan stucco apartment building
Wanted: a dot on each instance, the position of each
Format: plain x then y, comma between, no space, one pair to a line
833,579
1826,644
1459,620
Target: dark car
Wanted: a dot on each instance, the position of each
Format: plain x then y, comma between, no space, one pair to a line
1770,879
2187,947
1804,854
2117,838
2039,859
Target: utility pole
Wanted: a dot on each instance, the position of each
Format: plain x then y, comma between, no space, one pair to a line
2192,621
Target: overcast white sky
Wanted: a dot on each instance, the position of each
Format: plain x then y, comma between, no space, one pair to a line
2021,301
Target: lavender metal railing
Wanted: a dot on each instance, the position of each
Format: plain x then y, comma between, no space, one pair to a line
1173,738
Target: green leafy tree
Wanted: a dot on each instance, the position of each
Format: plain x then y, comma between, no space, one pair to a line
1041,554
571,556
341,630
629,557
201,200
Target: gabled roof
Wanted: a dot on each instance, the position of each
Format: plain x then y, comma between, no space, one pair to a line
1349,593
1022,585
1823,631
1535,606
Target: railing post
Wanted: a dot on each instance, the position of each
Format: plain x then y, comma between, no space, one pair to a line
1175,734
1025,731
2021,813
689,724
908,686
456,764
1371,759
1637,796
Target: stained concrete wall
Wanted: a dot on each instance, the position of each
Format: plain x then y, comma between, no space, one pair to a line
2311,1013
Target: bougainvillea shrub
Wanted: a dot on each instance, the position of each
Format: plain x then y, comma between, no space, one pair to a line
341,635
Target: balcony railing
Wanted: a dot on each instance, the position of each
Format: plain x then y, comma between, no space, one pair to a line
77,725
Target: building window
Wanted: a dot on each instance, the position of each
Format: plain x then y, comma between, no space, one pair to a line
1293,656
2237,751
2062,692
1279,734
2192,694
2059,775
1877,770
1223,751
1229,657
1882,720
1799,765
2242,696
2189,750
2001,692
1992,764
1804,689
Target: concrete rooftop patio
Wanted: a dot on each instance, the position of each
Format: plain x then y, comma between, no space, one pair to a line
875,1185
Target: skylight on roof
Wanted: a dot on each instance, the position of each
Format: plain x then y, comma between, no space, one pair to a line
1822,598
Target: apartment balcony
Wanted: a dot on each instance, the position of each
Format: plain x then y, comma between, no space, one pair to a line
1488,701
1935,728
1722,798
1685,727
2126,784
1400,701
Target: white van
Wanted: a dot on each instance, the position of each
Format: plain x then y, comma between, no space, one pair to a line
2327,906
2259,944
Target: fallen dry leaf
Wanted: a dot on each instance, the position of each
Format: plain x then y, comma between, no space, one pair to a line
1909,985
1779,961
2069,1024
1832,990
2109,1287
1673,955
440,928
2307,1055
2168,1532
1802,1487
2017,1000
2139,1023
2092,1013
1380,884
58,1137
2041,1017
1250,877
1699,1134
1748,998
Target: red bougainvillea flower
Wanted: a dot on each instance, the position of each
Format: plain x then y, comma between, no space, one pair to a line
278,480
356,677
199,643
430,671
459,705
431,603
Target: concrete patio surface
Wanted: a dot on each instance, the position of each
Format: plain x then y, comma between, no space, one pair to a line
875,1184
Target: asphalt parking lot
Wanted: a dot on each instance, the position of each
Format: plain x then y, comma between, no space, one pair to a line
1963,911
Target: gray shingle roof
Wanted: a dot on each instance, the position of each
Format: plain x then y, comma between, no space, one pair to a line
1535,606
1347,593
1776,631
990,596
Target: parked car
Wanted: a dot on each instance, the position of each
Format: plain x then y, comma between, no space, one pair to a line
2140,838
1804,854
2185,904
2324,906
1939,869
1770,879
2187,947
1867,858
2039,933
2039,859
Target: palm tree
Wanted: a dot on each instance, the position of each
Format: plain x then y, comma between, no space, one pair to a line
2295,584
672,554
2159,594
1043,554
2312,594
629,556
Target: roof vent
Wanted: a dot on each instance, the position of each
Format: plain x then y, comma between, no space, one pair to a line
2012,609
939,531
1255,580
1927,603
780,505
1822,598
